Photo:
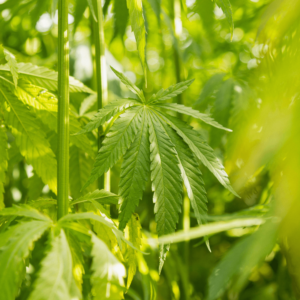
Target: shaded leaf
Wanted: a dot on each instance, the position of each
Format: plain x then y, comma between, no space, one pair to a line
3,162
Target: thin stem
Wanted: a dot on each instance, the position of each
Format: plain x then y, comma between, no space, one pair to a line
103,181
63,111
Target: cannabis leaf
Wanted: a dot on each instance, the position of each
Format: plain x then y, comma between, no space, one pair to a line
12,64
3,162
45,78
108,273
134,235
226,8
152,141
24,211
15,246
129,84
30,139
101,196
137,21
55,279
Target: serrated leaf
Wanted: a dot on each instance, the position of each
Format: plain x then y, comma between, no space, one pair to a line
121,16
30,140
46,105
137,21
134,173
166,180
19,242
191,112
200,149
130,85
108,273
87,104
191,175
3,162
45,78
171,91
227,10
101,196
55,278
24,211
108,112
116,143
209,88
80,168
134,235
12,64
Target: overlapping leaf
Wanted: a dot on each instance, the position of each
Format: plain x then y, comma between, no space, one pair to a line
45,78
166,181
193,113
55,279
116,143
108,273
108,112
15,247
134,173
200,149
190,174
30,140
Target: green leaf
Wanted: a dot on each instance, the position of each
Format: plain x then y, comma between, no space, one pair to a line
130,85
137,21
191,175
191,112
108,273
134,173
80,168
87,216
107,112
121,16
209,88
12,64
18,243
171,91
3,162
30,139
24,211
92,9
227,10
208,229
156,6
236,266
222,109
45,105
166,180
116,142
200,149
55,279
45,78
101,196
135,237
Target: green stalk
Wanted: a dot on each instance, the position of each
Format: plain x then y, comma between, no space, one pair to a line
63,111
101,79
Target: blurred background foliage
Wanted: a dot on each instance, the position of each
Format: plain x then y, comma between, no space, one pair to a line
248,80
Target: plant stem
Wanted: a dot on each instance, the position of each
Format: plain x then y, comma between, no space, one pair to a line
63,111
101,79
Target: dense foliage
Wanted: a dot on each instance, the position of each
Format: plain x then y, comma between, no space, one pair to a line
171,99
